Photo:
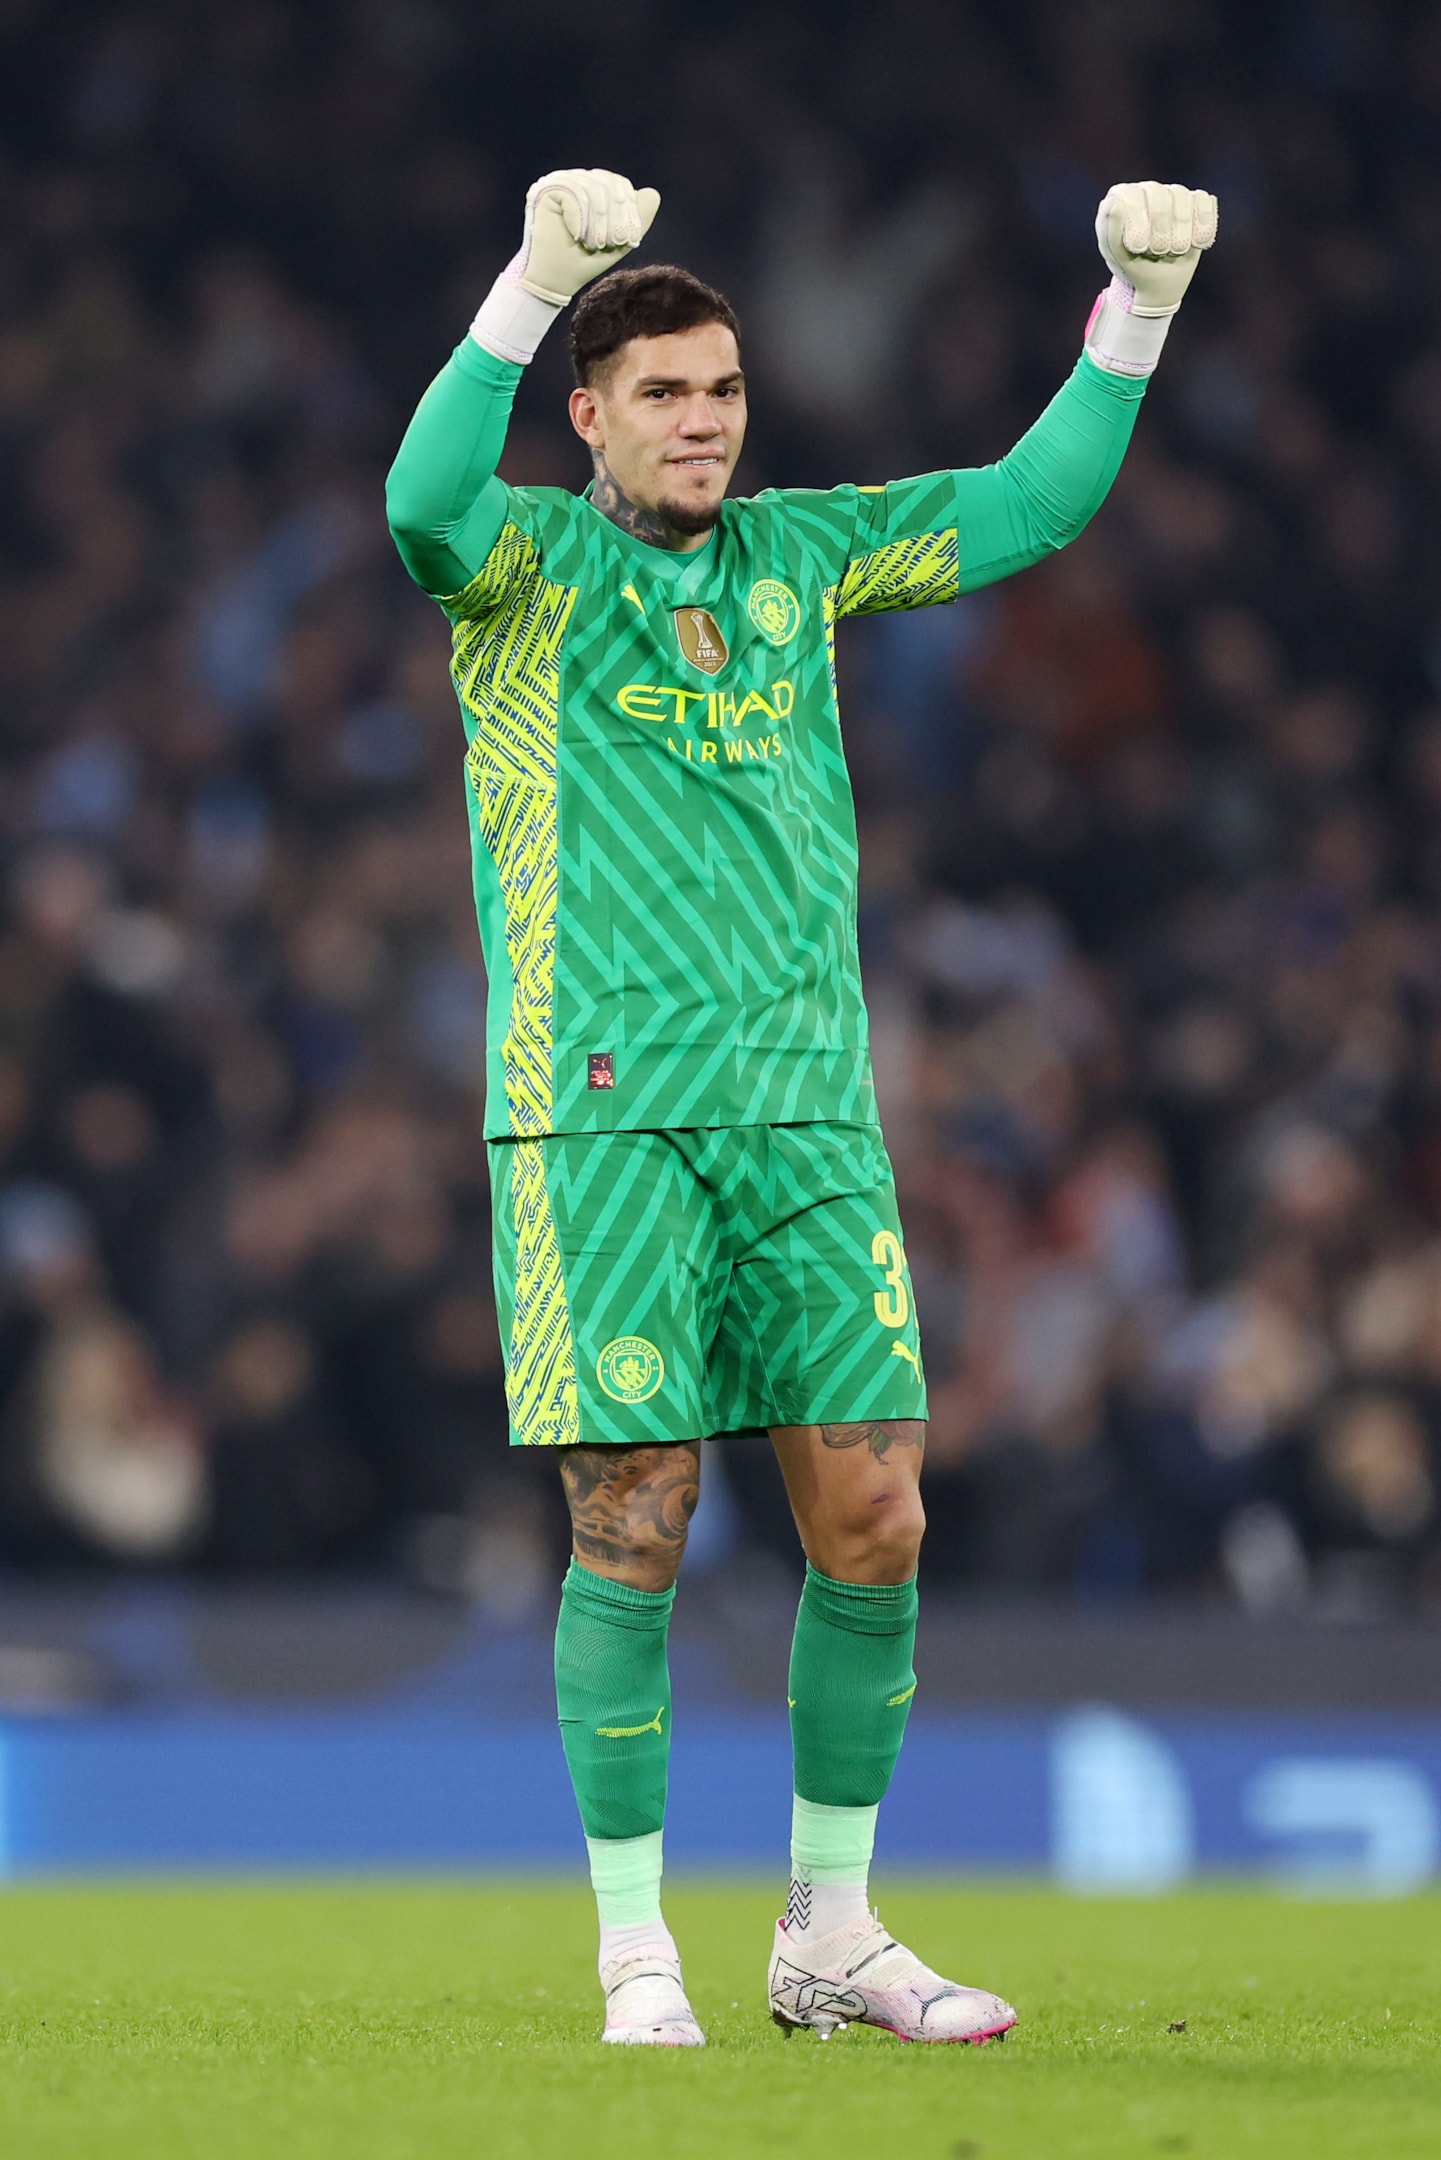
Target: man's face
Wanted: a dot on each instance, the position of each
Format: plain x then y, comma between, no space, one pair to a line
669,416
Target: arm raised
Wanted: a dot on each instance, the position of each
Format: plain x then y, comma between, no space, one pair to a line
1151,236
445,506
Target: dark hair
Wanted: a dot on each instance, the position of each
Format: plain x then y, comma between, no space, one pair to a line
646,300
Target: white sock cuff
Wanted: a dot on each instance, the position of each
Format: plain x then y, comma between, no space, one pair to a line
831,1844
625,1874
1120,340
511,322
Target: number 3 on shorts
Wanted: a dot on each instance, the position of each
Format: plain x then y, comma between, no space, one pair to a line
893,1305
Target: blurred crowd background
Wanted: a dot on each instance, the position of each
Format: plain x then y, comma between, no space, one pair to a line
1151,906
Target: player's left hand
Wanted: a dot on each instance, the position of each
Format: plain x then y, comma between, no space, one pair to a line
578,224
1151,236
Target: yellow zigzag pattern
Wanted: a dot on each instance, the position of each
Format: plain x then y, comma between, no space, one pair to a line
540,1369
907,573
506,669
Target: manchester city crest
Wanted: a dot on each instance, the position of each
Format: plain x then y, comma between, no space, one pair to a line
630,1369
775,610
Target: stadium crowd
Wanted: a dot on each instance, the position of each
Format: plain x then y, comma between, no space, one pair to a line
1151,907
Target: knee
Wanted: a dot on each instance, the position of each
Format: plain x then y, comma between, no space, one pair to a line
879,1542
630,1511
639,1543
647,1554
896,1538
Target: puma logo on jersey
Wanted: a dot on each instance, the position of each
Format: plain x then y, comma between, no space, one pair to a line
900,1349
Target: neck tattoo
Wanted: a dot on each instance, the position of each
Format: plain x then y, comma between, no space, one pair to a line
646,525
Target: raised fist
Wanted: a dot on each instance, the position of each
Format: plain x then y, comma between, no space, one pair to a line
1151,236
578,224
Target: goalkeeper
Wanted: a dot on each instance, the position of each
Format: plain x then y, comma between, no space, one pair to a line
695,1221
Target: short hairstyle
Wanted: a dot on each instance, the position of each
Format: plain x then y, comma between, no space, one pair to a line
643,300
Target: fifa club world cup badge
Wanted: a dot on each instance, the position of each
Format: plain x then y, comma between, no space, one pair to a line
701,640
600,1069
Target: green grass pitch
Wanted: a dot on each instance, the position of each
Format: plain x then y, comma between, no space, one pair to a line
383,2021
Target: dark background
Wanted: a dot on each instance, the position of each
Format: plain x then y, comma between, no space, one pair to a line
1152,888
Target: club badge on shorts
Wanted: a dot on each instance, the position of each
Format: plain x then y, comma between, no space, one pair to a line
630,1369
701,639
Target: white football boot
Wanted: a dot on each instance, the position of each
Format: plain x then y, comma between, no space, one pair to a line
860,1976
645,2003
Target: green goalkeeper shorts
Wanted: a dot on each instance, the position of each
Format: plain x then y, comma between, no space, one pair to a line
674,1285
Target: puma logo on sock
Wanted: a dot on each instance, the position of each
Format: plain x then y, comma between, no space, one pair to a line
631,1732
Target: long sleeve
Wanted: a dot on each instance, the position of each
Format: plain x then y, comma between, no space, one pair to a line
1048,488
915,542
445,506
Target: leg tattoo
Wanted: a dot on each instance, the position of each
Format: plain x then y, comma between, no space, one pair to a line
880,1435
630,1508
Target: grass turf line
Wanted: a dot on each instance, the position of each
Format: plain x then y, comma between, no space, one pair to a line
390,2022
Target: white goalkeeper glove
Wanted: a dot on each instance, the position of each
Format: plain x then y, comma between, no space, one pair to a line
577,224
1151,237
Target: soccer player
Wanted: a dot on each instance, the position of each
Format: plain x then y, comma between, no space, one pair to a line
695,1220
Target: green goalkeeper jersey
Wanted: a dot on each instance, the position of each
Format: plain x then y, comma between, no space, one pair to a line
663,832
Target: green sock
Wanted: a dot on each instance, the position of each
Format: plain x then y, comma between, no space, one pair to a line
851,1690
851,1687
612,1689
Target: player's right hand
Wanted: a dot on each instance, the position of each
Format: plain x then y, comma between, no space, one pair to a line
1151,237
578,224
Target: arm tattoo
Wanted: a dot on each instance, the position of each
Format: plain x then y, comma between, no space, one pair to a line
879,1434
631,1506
641,524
